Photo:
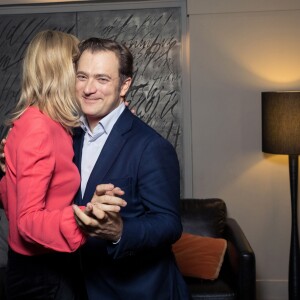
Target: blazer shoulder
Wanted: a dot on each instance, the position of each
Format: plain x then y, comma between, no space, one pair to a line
132,127
139,126
147,132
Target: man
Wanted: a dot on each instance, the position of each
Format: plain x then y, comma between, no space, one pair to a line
134,259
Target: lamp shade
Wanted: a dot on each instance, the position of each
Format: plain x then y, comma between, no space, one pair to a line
281,122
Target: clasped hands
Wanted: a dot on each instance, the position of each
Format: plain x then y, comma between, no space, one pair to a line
100,218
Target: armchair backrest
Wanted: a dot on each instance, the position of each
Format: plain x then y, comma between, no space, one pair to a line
206,217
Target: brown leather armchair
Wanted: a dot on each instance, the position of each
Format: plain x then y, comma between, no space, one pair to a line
237,279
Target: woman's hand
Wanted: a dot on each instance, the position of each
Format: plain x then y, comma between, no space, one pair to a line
2,156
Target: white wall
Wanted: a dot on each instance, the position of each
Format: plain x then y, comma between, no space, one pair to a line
240,48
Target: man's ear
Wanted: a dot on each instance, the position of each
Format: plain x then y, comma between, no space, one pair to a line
125,86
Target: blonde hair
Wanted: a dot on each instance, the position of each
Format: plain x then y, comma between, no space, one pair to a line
48,80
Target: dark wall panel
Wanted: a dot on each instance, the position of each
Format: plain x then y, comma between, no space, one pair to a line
153,36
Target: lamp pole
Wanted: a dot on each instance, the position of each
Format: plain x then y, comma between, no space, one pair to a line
294,267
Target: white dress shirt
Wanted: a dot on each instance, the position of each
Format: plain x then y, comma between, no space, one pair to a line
94,142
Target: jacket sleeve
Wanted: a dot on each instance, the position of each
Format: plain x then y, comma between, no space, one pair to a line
159,190
54,229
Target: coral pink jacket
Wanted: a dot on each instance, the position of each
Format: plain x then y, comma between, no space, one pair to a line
39,186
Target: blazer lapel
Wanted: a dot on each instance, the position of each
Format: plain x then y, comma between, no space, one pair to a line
113,145
77,146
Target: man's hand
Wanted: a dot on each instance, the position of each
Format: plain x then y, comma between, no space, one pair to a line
105,199
100,217
104,225
2,156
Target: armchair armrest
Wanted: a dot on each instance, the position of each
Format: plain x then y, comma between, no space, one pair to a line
242,260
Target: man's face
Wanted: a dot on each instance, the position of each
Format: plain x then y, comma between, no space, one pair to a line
98,85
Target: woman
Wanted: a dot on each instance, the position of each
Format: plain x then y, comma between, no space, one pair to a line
41,179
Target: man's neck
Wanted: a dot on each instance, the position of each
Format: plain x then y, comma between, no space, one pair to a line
93,123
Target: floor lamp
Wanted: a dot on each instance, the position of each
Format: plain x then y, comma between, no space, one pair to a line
281,135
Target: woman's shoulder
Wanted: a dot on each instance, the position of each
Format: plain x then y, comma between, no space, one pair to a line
33,122
33,112
34,118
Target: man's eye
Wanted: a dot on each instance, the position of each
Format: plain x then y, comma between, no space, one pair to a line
103,80
80,77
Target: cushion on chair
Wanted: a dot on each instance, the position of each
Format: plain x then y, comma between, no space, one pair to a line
198,256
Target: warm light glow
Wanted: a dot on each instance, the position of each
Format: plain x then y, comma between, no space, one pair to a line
273,61
267,45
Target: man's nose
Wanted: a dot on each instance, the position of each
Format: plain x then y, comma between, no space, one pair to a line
90,87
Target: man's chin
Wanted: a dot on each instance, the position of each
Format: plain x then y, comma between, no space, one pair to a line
92,116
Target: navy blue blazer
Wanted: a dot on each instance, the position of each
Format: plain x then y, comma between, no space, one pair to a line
141,266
